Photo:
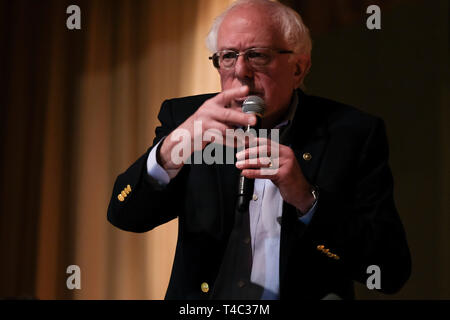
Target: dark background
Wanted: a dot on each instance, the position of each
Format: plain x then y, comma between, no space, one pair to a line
401,74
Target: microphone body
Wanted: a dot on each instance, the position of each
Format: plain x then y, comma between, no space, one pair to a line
254,105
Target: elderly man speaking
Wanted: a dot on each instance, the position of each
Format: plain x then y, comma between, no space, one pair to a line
318,222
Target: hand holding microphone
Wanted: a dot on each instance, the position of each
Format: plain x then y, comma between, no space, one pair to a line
285,173
252,105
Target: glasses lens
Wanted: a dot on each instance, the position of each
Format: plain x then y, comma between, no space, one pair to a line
227,58
259,57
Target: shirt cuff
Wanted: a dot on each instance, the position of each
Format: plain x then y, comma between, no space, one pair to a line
306,218
154,170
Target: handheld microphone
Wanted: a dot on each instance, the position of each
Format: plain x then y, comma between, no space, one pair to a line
253,105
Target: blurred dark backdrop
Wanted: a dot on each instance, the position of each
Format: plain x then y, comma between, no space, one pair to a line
78,107
401,74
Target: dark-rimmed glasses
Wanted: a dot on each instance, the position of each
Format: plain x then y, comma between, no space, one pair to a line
256,57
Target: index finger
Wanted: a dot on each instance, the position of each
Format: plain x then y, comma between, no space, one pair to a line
225,97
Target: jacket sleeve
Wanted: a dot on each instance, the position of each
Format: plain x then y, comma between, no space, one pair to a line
146,205
362,225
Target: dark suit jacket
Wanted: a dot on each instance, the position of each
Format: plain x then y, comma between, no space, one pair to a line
356,219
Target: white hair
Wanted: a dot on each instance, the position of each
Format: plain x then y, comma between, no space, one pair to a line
289,22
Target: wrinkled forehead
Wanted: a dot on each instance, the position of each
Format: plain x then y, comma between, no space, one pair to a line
247,27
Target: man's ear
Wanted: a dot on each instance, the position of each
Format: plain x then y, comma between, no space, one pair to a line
302,65
298,69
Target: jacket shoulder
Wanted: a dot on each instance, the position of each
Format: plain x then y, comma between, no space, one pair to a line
340,116
340,111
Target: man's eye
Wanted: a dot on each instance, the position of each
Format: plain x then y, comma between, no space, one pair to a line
228,55
257,55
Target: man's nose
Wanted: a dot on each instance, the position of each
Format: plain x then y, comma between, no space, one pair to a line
242,68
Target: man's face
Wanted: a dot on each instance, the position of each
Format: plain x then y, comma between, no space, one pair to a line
246,28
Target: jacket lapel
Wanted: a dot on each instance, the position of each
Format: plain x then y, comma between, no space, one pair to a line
308,138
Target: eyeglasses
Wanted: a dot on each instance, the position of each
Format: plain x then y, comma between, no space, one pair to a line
257,57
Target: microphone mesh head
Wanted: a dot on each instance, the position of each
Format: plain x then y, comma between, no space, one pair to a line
254,104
